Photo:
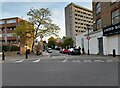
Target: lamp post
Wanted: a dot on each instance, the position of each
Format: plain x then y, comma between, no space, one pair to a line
88,38
41,36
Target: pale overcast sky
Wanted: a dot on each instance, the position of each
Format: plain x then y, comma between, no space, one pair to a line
13,8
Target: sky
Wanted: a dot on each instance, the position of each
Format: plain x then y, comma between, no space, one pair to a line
20,8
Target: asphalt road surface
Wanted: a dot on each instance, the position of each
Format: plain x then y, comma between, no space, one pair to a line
62,71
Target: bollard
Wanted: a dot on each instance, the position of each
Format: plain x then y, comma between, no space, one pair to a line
3,55
114,53
26,54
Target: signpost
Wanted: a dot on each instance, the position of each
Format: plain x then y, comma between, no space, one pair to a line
88,38
41,44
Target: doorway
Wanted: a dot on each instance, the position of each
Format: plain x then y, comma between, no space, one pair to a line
100,46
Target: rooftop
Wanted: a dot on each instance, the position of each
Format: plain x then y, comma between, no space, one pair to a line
79,6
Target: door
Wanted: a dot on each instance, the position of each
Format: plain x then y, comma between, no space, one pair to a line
100,45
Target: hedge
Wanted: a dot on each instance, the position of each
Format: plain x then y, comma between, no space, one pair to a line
10,48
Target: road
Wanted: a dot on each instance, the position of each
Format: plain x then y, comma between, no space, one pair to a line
61,70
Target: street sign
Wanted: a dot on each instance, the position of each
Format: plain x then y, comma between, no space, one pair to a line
88,37
41,36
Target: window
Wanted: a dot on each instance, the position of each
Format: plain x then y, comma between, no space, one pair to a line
2,22
75,18
11,21
76,22
9,34
0,35
99,26
98,8
76,30
75,14
112,1
115,17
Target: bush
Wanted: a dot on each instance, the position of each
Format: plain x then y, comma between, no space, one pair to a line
10,48
15,48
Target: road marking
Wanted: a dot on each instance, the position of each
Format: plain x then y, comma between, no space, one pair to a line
19,61
99,61
99,57
65,60
58,57
109,60
87,61
35,61
76,61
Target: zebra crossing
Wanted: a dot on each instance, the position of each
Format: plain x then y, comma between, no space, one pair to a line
65,60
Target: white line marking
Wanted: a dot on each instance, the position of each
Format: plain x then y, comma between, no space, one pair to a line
99,61
76,61
19,61
87,61
109,60
65,60
36,61
99,57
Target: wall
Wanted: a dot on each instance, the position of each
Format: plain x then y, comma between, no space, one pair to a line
110,43
93,42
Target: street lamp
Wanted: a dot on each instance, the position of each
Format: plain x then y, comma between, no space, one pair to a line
88,38
41,36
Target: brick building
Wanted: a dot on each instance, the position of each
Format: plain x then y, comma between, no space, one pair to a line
105,14
106,29
7,37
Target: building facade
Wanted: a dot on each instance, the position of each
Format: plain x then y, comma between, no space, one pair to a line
76,20
6,28
7,36
105,36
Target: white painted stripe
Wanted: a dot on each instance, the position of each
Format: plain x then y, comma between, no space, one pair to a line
76,61
65,60
19,61
99,57
36,61
87,61
99,61
109,60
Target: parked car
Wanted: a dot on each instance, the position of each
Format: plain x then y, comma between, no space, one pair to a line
65,51
49,50
58,48
74,51
61,51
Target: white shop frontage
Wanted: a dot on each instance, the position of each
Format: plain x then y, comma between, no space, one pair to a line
102,41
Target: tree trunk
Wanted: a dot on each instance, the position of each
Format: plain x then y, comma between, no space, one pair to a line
32,46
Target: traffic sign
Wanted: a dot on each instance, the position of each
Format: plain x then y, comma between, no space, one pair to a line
88,37
41,36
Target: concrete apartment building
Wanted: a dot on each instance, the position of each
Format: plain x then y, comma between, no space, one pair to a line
106,29
7,26
77,19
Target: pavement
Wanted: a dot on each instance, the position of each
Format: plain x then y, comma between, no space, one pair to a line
58,56
16,57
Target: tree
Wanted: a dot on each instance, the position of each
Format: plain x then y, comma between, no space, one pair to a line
68,42
51,42
24,30
59,42
42,22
